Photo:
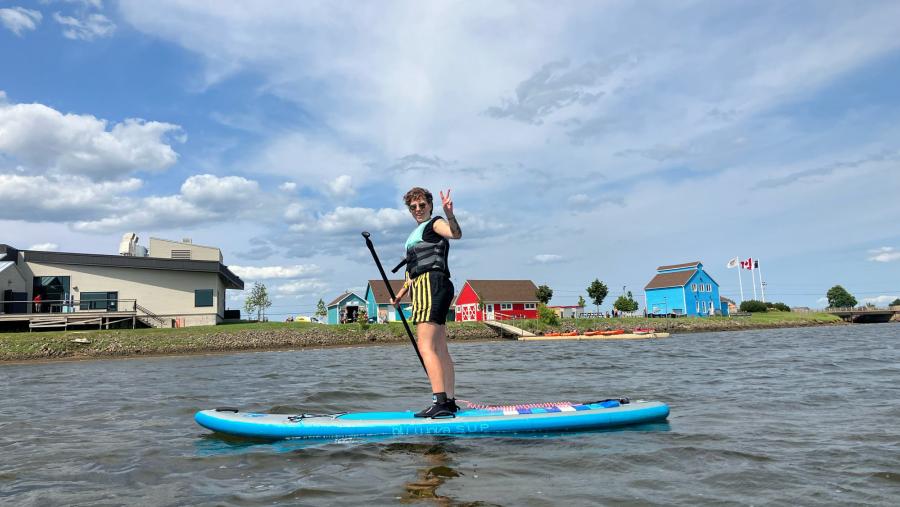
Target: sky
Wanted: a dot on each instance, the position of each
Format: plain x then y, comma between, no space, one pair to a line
581,140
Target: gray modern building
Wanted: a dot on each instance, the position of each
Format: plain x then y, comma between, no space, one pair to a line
171,284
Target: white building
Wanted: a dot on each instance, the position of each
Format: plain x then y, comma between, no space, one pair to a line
172,284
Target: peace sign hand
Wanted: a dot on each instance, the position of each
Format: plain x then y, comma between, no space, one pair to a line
447,203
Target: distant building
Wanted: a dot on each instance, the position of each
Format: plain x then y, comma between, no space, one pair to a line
345,308
378,301
502,299
174,284
728,306
682,290
568,312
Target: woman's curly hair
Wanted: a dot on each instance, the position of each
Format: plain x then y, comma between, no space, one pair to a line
418,193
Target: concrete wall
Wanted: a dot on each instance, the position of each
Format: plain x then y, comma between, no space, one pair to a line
165,293
162,249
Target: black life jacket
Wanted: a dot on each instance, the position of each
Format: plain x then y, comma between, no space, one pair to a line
425,256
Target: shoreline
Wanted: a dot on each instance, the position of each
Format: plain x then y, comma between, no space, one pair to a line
19,348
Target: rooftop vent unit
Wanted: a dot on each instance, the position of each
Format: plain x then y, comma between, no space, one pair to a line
129,247
186,240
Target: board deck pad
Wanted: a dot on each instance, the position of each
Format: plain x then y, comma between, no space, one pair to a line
546,417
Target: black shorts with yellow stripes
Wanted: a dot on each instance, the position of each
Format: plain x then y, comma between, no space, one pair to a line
432,293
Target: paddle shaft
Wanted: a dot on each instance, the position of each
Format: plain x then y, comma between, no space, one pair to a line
391,292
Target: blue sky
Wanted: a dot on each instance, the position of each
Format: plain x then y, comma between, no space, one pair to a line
581,140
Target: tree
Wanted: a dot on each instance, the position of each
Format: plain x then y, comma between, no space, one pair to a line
544,294
895,302
753,306
257,301
597,291
838,297
547,315
321,311
781,307
626,303
581,302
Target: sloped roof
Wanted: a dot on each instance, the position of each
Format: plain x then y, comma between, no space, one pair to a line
679,266
726,300
505,291
232,281
382,297
676,279
343,297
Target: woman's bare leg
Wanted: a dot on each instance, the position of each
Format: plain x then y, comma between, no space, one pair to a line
431,347
447,364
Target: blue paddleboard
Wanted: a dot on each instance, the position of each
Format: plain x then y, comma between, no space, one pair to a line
510,419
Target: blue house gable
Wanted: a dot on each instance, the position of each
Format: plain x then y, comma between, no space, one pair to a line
682,290
378,301
345,308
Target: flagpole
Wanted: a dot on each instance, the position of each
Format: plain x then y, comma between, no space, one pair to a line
753,277
762,285
740,280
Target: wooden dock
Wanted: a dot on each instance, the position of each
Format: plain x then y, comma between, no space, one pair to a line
626,336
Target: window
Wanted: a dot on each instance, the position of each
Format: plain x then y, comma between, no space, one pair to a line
505,306
108,301
708,287
693,287
203,297
698,306
530,306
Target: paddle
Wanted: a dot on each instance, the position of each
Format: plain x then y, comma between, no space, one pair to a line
391,292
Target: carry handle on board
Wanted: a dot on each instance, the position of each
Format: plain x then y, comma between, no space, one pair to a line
391,292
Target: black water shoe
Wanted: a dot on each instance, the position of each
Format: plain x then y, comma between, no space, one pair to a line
437,410
453,406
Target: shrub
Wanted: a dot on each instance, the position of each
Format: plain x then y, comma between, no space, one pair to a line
782,307
753,306
547,315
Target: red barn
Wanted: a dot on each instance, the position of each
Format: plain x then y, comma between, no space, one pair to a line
503,299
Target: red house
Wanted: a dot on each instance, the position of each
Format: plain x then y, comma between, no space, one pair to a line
503,299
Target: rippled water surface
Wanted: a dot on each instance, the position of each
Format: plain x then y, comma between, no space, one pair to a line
785,417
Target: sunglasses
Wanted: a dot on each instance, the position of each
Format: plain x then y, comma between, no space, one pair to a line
417,206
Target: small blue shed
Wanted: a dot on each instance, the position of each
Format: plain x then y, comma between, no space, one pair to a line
682,289
345,308
378,301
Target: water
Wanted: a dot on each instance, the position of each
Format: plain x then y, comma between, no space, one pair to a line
776,417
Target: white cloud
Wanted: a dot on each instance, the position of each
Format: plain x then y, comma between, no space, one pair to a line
349,219
20,19
203,199
49,141
547,258
219,193
269,272
884,254
88,27
288,186
61,198
45,247
880,300
300,286
342,186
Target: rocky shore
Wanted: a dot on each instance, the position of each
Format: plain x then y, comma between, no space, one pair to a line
283,336
113,343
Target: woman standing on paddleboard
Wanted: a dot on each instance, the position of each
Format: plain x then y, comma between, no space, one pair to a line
428,276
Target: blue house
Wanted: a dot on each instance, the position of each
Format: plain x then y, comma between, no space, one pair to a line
683,290
345,308
378,301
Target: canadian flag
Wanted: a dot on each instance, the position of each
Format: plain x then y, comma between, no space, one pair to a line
747,264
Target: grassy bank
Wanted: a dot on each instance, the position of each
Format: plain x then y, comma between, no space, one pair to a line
279,335
230,337
690,325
